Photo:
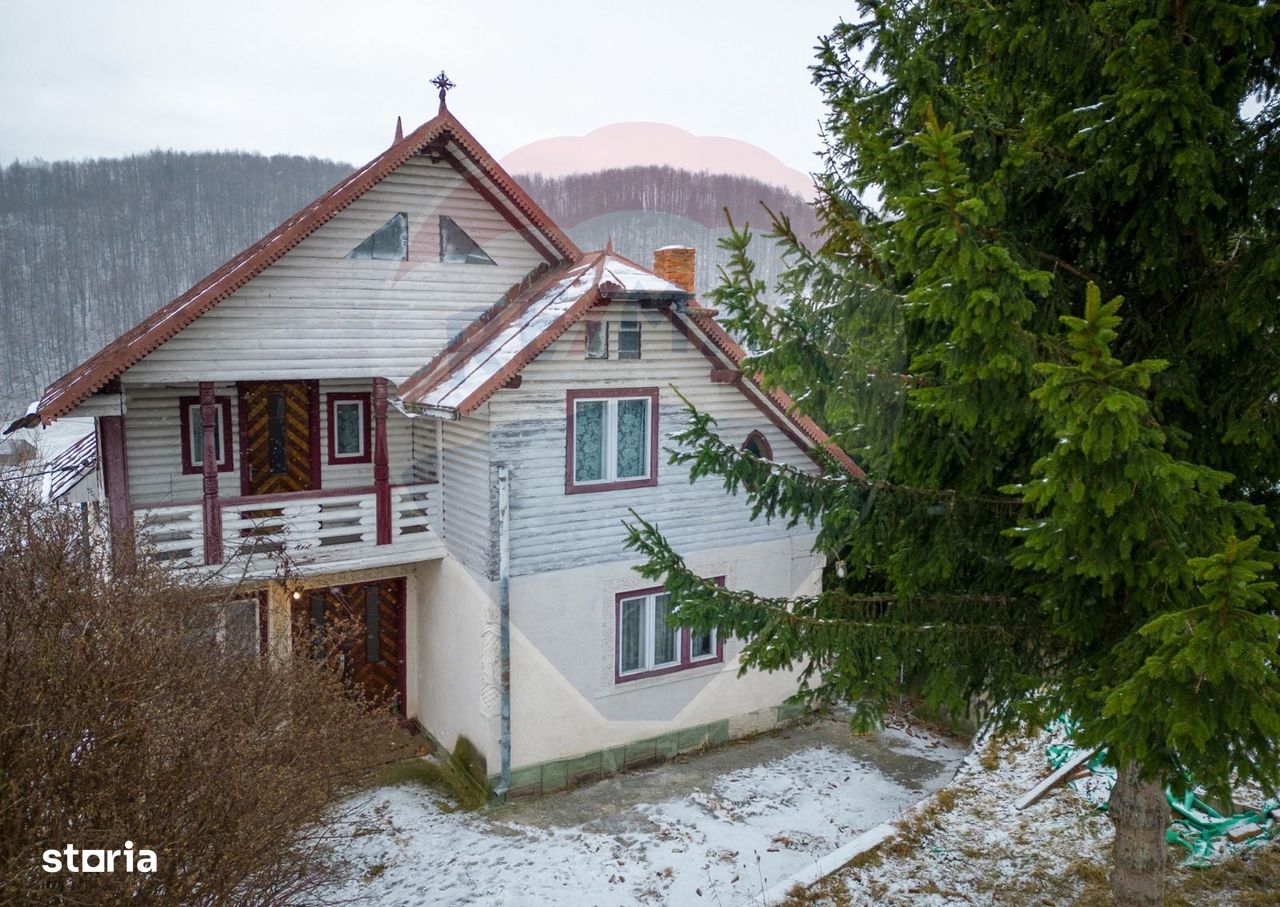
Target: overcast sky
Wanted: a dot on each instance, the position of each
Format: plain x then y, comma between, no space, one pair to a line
90,79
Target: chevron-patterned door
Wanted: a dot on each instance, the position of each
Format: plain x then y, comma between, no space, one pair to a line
368,620
278,436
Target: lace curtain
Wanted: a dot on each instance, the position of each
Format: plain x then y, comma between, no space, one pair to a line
588,441
633,438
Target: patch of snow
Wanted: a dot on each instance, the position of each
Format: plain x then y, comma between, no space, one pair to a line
724,843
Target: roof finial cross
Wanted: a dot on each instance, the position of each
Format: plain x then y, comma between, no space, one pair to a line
442,82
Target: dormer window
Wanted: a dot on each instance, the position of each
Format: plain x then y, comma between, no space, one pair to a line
456,246
390,242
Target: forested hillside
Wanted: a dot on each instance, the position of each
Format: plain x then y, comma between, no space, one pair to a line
89,248
645,208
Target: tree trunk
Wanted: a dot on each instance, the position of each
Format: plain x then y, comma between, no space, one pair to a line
1141,815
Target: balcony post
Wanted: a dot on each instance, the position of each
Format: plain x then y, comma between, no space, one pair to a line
212,512
115,477
381,471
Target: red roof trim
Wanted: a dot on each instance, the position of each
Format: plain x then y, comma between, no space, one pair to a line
727,345
71,389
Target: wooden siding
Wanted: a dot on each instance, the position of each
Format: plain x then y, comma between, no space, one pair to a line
470,504
153,433
552,530
317,314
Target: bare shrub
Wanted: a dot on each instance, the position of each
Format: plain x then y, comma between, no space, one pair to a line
122,718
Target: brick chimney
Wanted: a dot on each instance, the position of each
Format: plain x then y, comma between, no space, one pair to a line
675,263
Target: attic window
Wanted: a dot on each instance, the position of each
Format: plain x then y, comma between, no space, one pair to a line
628,340
456,246
390,242
597,339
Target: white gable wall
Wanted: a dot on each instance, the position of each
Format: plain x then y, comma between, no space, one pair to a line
555,531
316,314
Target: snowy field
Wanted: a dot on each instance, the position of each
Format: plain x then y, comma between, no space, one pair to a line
723,839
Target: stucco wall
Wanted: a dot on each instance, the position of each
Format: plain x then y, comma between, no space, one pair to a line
564,697
453,648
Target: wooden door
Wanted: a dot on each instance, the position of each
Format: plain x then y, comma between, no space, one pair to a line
367,620
279,437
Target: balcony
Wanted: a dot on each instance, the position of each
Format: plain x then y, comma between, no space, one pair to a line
299,533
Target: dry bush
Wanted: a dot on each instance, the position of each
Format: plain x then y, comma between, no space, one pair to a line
123,719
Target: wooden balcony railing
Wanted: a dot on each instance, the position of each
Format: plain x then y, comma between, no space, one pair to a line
300,532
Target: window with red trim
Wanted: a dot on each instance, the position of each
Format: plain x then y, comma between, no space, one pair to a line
649,643
350,434
611,439
193,435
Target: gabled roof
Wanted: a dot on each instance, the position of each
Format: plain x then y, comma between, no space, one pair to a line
512,334
443,135
500,344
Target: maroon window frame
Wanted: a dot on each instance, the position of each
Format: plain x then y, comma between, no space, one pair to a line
766,449
189,466
571,398
331,404
686,662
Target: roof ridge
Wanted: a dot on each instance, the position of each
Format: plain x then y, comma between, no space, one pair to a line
116,356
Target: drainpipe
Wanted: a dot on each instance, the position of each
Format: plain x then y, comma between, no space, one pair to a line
504,624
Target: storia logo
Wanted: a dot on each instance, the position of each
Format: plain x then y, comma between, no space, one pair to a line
73,859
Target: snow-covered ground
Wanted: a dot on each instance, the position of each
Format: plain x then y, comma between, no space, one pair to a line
723,839
968,844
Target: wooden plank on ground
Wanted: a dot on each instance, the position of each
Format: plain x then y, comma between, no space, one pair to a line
1048,784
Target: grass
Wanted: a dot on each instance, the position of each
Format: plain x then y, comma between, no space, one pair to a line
441,775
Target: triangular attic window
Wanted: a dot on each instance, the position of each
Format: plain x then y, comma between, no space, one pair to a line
390,242
456,245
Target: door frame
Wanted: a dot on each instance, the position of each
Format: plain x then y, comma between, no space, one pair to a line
402,629
313,419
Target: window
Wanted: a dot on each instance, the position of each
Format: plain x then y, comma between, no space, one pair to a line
372,623
457,246
193,435
650,642
597,339
628,340
390,242
235,626
758,446
612,440
349,430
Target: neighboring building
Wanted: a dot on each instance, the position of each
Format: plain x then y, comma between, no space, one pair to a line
416,401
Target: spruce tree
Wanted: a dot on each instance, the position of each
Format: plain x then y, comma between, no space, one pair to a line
1043,525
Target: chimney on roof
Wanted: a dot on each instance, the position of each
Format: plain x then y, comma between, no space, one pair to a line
675,263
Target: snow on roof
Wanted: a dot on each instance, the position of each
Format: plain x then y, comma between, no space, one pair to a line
478,362
73,464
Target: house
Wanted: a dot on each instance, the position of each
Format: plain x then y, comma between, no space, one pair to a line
416,402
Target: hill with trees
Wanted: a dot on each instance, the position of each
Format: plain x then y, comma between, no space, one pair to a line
89,248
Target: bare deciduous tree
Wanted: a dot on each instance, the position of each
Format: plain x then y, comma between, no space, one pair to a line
124,717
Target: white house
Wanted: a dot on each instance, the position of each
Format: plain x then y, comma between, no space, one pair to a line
416,401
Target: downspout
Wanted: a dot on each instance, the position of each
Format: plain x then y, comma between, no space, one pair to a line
504,625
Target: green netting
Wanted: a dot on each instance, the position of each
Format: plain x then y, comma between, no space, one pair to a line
1196,825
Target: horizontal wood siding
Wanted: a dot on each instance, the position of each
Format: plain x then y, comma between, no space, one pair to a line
552,530
470,517
153,433
317,314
